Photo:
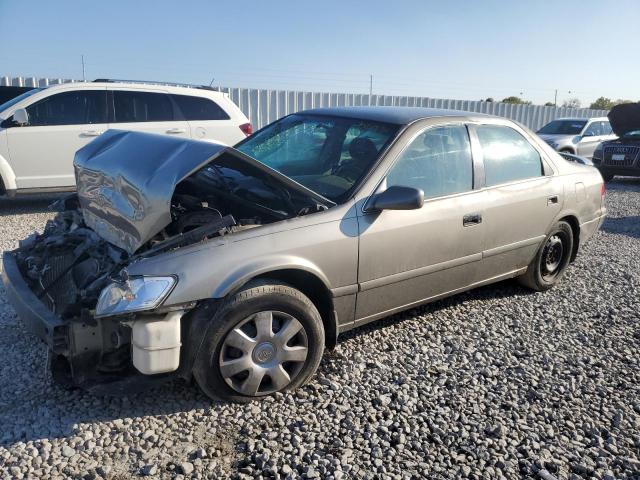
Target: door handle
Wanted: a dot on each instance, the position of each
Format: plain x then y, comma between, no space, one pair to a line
471,219
176,130
552,200
91,133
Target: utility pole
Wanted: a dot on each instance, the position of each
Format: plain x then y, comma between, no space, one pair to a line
555,99
84,79
370,88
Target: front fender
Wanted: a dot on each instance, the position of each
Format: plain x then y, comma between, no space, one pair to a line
241,275
7,175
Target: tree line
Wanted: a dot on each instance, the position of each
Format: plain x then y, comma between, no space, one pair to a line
602,103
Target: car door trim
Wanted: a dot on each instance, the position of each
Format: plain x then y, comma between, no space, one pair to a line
370,318
512,246
418,272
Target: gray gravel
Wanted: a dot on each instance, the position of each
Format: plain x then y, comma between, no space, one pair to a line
495,383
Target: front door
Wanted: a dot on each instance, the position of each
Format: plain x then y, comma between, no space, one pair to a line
409,256
591,137
42,152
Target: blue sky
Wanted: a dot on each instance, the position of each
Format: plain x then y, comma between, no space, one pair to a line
446,49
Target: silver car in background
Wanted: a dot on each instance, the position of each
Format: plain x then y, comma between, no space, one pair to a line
238,266
577,136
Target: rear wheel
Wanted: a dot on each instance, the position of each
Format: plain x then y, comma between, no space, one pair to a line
552,259
266,338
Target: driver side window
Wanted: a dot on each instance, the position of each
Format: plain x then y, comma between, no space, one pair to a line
438,161
594,129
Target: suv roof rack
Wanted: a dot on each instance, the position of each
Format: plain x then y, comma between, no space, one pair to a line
152,82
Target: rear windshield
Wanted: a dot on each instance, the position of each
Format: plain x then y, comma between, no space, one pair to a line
563,127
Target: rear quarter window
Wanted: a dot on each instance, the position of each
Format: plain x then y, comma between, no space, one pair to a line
199,108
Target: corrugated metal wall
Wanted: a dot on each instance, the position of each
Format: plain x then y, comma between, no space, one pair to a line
263,106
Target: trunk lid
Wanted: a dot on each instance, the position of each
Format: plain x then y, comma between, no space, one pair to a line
126,181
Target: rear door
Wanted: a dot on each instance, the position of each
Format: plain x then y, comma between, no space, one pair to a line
523,198
207,119
408,256
42,152
150,111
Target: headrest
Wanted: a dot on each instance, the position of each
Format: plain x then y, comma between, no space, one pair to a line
362,148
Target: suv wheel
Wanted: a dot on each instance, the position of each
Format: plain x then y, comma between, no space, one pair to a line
552,259
264,339
607,177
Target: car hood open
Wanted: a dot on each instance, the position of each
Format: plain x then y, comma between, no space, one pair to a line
126,181
625,118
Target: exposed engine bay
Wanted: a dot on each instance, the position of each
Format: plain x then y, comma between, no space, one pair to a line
69,265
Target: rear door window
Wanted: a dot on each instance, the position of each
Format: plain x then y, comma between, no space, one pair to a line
508,156
132,106
77,107
199,108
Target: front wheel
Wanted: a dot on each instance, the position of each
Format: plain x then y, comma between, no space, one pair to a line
266,338
552,259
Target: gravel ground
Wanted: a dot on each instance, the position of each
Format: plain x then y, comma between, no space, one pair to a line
495,383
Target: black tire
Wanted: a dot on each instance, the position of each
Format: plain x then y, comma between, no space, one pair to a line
607,177
260,296
539,276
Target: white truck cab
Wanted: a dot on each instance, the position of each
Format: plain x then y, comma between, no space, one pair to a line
41,130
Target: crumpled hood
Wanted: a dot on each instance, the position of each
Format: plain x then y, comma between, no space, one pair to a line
126,180
625,118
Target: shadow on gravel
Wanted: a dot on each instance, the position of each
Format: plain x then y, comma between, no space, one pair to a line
624,184
629,226
506,288
25,205
44,410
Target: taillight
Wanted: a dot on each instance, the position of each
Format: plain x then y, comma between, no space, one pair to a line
246,128
603,190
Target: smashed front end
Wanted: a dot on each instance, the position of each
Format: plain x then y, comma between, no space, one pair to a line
139,196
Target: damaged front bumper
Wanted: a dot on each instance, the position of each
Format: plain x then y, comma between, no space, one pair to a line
88,351
37,318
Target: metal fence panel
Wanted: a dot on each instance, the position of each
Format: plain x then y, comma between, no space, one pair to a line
263,106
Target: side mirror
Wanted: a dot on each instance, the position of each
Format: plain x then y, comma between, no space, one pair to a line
398,198
21,117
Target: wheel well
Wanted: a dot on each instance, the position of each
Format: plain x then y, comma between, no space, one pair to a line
567,150
3,189
575,228
316,291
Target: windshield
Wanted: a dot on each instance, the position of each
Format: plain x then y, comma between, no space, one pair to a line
328,155
634,133
14,100
563,127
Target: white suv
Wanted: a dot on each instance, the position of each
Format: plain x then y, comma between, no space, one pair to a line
41,130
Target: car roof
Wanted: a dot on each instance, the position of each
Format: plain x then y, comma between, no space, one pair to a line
592,119
196,91
396,115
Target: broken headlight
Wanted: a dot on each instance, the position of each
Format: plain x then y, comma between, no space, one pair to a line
134,295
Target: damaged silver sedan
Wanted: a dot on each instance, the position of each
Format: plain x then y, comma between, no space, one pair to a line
238,266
